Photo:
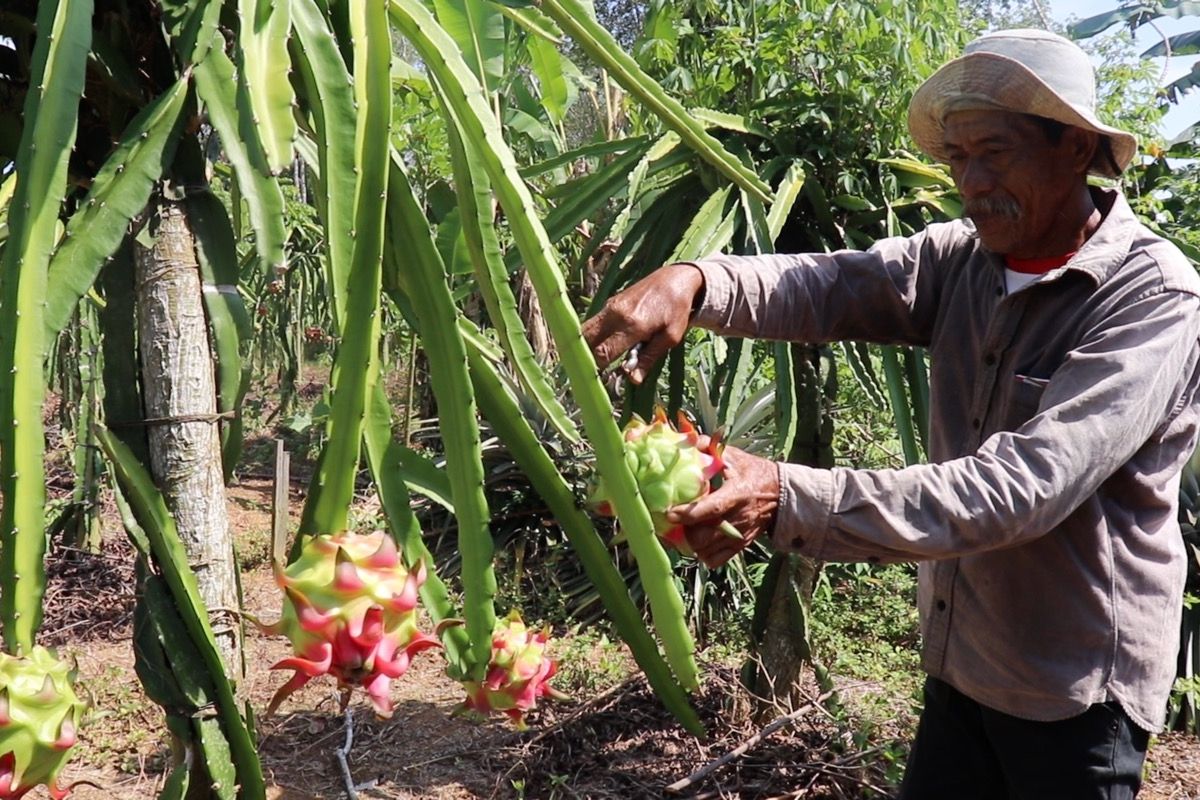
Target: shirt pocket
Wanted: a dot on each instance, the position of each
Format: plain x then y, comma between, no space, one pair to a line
1025,395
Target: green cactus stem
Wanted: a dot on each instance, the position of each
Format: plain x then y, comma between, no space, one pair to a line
51,111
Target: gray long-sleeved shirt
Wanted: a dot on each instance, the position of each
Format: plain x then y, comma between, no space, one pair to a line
1052,565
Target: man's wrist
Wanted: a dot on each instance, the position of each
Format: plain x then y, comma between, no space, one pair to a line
694,275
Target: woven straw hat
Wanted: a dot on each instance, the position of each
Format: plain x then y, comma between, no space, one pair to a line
1028,71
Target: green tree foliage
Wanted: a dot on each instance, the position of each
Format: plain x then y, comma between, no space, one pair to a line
807,78
800,98
1135,15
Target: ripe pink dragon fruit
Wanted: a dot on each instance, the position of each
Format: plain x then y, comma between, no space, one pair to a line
670,468
349,611
517,674
39,715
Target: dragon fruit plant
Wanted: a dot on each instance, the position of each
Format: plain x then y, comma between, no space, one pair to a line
517,674
39,715
670,468
350,611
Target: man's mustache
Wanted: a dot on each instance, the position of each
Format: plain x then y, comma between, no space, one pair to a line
992,207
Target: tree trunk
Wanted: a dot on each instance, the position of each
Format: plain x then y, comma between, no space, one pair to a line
181,404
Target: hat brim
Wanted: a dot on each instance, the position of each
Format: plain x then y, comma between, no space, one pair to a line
996,81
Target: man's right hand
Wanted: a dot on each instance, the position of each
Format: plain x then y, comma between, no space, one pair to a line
653,312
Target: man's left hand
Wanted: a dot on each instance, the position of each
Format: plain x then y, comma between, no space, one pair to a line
748,499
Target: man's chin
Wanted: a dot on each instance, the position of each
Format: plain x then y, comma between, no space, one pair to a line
998,239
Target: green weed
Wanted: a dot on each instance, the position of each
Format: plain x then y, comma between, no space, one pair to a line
589,663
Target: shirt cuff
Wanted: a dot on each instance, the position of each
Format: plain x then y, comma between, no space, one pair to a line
718,294
803,519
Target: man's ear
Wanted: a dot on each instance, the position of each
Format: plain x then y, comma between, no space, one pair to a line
1081,147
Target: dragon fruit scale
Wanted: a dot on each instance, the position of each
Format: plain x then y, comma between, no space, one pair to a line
39,716
517,674
670,468
350,611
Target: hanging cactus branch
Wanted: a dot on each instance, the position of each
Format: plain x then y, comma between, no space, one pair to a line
51,110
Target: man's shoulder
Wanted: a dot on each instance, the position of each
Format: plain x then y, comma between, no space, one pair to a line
937,239
1166,263
950,245
952,234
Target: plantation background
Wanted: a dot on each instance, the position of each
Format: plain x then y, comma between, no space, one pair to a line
380,225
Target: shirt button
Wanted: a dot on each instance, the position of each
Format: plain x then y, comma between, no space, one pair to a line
999,291
989,359
975,423
941,605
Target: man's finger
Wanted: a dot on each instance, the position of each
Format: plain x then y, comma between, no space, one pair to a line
609,345
593,329
717,555
701,538
606,335
716,505
652,352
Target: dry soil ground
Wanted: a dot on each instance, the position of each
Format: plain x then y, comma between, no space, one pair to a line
616,743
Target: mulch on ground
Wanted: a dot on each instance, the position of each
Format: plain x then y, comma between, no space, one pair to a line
618,744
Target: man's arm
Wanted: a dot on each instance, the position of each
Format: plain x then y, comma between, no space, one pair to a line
885,294
888,293
1108,398
1100,407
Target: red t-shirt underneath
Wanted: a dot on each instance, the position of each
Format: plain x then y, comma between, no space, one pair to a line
1036,266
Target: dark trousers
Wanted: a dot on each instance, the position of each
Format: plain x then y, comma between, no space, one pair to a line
967,751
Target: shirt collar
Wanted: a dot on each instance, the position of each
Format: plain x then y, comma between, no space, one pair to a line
1106,250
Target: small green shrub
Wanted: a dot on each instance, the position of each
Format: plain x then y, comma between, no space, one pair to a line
864,628
589,663
253,549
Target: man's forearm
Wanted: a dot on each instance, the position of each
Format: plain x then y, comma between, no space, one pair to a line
820,297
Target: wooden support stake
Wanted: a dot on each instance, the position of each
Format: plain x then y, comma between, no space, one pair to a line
279,504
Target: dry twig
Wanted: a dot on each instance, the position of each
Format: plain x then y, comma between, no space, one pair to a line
343,755
774,725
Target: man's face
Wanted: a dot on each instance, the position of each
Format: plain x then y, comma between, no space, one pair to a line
1014,182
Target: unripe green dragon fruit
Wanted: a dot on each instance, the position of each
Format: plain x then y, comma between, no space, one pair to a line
670,468
517,674
350,611
39,715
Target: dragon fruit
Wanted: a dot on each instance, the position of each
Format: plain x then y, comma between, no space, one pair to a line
517,674
39,715
670,468
349,611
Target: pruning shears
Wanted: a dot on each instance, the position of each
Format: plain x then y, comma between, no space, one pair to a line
614,379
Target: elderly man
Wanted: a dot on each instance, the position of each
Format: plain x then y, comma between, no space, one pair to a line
1064,373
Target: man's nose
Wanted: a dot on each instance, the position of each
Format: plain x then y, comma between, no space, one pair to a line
975,179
